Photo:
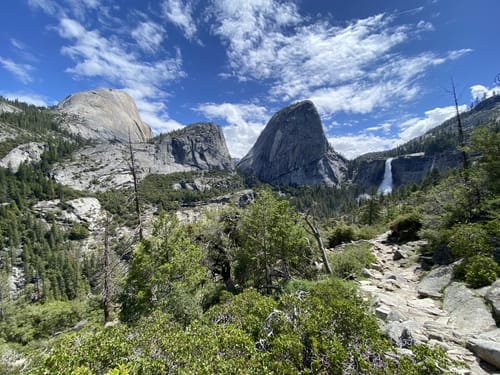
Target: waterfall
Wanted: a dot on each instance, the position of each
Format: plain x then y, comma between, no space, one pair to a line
386,185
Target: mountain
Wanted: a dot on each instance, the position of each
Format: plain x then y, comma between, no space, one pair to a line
437,148
105,166
293,149
104,115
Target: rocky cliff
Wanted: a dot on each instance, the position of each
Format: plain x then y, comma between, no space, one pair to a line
293,149
197,147
104,115
201,146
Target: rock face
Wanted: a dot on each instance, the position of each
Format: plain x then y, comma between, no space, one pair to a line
26,153
201,146
413,168
367,173
105,115
293,149
197,147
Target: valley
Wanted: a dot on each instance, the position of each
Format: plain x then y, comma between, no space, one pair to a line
116,243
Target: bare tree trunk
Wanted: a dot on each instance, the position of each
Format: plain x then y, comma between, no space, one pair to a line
317,236
136,190
461,140
106,288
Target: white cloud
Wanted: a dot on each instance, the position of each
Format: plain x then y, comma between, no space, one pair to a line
74,8
148,35
419,125
365,141
353,68
180,14
48,6
385,127
35,99
20,71
480,92
244,123
108,58
354,145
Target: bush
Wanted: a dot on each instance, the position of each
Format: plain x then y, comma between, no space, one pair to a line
405,228
341,233
481,271
467,240
78,232
352,260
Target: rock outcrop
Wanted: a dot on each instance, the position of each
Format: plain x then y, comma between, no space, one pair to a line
7,108
197,147
104,115
293,149
26,153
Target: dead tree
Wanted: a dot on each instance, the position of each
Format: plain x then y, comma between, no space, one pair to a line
135,180
461,139
106,292
315,232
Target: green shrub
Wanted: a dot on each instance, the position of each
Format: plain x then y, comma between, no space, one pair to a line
405,228
467,240
352,260
459,270
481,271
78,232
341,233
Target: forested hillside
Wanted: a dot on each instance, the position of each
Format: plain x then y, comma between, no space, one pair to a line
230,275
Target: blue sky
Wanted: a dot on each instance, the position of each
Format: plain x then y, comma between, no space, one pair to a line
379,72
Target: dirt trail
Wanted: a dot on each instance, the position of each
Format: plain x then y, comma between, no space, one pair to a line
407,317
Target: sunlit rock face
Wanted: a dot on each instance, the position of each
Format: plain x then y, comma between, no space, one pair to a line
105,115
293,149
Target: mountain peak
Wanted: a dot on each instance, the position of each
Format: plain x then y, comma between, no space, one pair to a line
293,149
103,115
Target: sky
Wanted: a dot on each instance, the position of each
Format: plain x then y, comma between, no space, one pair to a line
378,71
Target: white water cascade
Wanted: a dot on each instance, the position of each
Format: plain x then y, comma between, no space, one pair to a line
386,185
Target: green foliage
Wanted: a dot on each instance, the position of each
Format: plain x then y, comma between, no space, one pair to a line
467,240
78,232
486,140
425,360
274,245
326,328
341,233
165,273
159,190
352,260
405,228
37,321
481,271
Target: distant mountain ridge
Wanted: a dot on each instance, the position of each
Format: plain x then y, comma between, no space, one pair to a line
292,149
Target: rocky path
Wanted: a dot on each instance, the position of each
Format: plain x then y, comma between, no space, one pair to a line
433,310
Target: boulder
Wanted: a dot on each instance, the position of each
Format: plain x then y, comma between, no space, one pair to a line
293,149
405,334
488,351
434,282
468,312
